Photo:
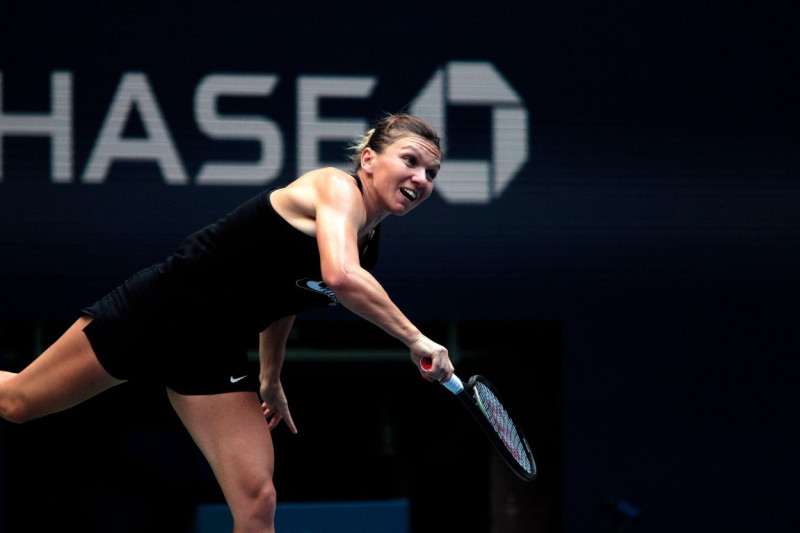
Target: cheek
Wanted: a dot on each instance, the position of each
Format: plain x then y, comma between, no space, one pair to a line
428,190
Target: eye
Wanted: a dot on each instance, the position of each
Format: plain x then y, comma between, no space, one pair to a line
431,173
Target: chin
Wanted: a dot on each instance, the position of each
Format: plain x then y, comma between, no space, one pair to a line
405,209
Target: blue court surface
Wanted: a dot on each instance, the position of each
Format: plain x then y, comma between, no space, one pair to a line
386,516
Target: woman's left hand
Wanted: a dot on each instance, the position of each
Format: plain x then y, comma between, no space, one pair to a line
275,405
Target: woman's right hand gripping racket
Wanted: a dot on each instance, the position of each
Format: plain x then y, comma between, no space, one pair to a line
481,399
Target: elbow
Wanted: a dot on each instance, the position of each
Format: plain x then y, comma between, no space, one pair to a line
340,281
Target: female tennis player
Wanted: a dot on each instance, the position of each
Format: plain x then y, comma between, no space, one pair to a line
186,323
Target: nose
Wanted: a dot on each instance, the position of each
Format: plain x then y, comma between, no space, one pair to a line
421,176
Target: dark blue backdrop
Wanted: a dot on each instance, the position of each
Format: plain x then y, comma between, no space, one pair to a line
655,216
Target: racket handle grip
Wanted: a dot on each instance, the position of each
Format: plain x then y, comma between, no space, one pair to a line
453,384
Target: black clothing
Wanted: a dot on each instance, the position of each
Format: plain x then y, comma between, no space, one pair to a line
187,322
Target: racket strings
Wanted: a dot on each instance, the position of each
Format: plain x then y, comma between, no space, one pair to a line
503,425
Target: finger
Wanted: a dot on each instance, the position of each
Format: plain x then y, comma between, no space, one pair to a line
287,417
433,371
425,375
273,422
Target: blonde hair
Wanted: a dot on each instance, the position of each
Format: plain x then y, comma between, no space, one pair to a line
387,130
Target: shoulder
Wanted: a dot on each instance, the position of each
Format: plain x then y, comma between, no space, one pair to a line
329,178
317,185
322,189
333,185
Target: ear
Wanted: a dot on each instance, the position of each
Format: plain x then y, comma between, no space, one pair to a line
367,158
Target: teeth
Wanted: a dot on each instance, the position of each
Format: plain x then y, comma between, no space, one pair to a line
408,193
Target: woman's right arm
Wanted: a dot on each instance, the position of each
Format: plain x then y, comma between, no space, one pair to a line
339,209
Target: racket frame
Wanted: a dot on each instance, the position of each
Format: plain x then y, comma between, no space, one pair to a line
468,397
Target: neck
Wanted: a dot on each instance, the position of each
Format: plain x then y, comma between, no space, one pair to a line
374,214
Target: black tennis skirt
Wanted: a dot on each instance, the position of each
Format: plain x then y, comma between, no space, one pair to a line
149,330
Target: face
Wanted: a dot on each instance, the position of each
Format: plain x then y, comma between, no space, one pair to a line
403,173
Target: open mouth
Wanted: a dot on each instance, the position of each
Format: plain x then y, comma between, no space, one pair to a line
408,193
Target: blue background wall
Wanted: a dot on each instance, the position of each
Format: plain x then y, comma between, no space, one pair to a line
655,218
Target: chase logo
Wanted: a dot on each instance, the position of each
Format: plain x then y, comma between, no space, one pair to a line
454,85
461,83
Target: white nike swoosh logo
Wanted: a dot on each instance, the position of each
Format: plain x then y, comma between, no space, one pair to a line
234,380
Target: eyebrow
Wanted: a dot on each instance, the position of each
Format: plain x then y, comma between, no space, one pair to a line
412,147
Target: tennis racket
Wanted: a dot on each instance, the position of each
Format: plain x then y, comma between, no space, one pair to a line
481,399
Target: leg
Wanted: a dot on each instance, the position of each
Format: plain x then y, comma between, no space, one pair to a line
231,431
64,375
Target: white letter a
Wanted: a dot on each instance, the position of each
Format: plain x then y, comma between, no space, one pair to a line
134,90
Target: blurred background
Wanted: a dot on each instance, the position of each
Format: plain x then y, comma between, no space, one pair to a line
613,242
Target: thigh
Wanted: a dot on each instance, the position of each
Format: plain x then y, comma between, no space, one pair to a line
65,374
232,432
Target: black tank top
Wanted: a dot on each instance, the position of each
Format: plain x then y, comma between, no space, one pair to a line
253,266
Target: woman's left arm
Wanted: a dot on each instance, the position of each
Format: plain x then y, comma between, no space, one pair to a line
271,352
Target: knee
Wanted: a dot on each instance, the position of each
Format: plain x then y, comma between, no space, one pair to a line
13,406
14,410
265,503
258,513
